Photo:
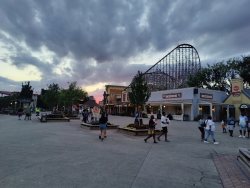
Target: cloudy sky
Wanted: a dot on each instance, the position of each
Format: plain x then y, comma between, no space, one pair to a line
100,42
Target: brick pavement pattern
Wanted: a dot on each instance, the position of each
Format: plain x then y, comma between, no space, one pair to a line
229,172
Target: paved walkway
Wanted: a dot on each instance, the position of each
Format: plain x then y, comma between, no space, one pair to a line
34,154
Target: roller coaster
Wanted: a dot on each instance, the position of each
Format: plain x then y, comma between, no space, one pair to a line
173,70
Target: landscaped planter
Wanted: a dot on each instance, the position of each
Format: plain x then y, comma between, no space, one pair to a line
97,127
137,132
59,119
72,117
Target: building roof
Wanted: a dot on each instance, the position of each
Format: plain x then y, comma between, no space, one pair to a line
246,92
90,103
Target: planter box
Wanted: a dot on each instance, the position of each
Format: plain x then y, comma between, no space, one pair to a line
56,119
138,132
73,117
97,127
244,157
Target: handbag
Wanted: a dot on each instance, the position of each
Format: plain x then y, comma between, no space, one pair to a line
204,124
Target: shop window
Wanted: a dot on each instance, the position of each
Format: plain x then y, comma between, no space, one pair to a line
178,111
123,97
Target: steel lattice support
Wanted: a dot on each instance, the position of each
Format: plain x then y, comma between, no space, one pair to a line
173,70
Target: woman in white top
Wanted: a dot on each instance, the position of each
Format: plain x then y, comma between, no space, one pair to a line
210,128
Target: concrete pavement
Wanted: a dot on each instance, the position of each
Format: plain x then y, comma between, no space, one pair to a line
34,154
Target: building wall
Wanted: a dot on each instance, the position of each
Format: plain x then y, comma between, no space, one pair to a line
237,101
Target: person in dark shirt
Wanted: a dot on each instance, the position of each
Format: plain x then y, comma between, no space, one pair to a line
20,113
151,129
103,122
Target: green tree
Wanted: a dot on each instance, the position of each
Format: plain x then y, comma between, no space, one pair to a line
219,75
241,67
26,91
140,93
51,95
72,95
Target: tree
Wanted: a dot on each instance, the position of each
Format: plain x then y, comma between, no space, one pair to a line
241,67
26,92
51,95
72,95
139,94
219,75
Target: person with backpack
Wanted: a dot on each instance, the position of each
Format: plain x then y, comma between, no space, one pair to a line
210,128
230,124
28,113
243,121
201,128
151,129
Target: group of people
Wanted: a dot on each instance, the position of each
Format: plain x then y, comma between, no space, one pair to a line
85,114
208,127
151,127
28,113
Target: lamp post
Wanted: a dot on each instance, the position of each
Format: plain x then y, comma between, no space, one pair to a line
15,106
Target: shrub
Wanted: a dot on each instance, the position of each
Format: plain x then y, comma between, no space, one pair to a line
145,115
136,126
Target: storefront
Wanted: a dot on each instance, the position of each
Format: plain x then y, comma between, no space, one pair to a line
188,103
239,98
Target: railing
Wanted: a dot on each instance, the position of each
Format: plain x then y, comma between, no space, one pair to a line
178,117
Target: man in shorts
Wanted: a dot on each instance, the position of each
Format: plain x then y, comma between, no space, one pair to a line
243,122
164,122
230,124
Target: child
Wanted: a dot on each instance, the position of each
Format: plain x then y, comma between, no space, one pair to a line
223,125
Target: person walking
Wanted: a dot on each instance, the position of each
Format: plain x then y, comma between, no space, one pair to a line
248,127
80,112
103,126
164,124
210,128
28,113
243,121
151,129
230,124
223,125
20,113
201,122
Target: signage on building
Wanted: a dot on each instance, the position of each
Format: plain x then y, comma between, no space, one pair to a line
236,88
24,100
171,95
112,95
206,96
236,94
243,106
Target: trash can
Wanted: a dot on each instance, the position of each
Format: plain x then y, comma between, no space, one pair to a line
44,117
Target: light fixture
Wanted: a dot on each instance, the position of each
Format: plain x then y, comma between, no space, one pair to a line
164,106
200,108
213,109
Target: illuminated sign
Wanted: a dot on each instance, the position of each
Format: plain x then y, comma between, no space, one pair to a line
236,88
206,96
236,94
243,106
171,95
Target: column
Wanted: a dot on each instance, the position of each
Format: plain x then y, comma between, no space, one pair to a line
192,113
161,109
227,111
211,110
182,110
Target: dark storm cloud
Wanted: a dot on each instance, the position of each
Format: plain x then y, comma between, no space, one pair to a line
101,37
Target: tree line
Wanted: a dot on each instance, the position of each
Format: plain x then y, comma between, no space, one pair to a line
219,75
